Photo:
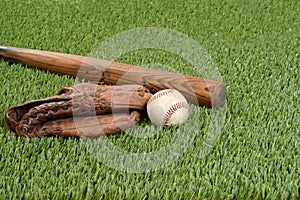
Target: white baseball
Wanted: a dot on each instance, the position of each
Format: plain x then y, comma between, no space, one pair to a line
168,107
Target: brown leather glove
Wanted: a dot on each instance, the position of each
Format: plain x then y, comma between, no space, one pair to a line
83,110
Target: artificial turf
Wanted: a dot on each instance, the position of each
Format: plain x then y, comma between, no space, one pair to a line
254,45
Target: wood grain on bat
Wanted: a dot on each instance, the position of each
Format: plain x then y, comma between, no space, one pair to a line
197,90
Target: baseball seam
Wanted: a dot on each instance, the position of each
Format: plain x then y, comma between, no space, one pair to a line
172,110
159,95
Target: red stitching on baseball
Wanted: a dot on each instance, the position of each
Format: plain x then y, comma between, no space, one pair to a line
172,110
154,97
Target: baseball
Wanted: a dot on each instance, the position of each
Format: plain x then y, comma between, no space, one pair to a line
168,107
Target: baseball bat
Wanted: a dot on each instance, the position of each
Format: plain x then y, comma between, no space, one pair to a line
197,90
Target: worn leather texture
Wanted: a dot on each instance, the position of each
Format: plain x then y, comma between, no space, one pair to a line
82,110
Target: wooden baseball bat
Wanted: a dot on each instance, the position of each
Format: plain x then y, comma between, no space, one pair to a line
197,90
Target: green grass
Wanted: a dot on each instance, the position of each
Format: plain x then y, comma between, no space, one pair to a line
254,44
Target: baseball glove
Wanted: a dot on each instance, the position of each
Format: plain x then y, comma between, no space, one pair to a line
83,110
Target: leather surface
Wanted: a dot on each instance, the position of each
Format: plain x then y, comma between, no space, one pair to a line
100,109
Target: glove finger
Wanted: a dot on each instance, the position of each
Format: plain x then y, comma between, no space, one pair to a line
106,99
86,127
